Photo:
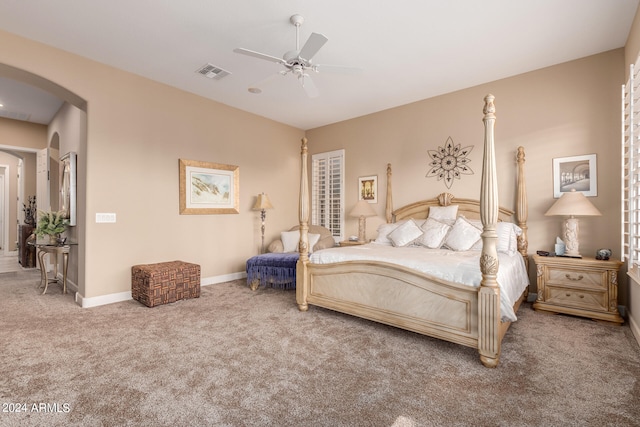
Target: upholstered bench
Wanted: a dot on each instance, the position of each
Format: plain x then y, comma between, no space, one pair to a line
277,270
165,282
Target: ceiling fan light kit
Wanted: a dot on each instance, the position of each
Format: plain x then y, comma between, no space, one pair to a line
298,61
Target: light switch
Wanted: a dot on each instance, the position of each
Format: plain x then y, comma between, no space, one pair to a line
105,217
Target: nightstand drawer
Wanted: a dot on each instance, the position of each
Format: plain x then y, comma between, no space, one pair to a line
577,278
579,298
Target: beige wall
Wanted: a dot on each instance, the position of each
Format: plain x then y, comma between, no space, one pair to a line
565,110
137,130
30,136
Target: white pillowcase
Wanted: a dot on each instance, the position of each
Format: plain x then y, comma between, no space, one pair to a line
507,233
446,214
463,235
434,233
383,233
291,240
405,234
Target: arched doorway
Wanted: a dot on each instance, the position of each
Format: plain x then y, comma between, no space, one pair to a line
62,136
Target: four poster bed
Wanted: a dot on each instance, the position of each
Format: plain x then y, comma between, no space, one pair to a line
429,300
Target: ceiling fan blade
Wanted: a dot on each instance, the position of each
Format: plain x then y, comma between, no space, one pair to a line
312,46
309,86
259,55
321,68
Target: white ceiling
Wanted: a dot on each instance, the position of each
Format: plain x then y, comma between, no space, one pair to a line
408,50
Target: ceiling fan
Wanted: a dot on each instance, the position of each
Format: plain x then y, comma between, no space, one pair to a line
298,62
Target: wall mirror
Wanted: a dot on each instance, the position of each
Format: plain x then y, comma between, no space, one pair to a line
68,186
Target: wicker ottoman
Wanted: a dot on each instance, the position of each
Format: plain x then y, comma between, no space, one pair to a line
165,282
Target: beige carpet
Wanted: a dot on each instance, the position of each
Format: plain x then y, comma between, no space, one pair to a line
240,358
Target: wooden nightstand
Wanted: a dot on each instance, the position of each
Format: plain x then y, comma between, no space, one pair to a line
582,287
351,243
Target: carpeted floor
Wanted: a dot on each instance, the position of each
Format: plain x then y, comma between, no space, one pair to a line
240,358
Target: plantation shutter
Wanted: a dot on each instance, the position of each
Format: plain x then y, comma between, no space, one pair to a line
631,169
327,192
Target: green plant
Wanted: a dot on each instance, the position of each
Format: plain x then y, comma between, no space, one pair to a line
51,223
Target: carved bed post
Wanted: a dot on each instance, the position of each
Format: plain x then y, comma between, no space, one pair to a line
522,207
389,206
303,213
489,293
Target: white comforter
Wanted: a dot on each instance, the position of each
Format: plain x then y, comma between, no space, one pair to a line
458,267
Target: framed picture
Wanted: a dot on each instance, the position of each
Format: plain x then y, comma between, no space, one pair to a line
368,188
208,188
577,172
68,182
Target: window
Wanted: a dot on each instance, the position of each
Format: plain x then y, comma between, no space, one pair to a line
631,170
327,192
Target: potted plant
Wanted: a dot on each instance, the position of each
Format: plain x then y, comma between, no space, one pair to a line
52,224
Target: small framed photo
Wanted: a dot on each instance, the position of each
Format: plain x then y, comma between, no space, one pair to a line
577,172
208,188
368,188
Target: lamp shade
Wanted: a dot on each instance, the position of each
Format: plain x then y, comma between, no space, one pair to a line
362,208
262,202
573,203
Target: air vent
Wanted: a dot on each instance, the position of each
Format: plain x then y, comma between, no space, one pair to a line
213,72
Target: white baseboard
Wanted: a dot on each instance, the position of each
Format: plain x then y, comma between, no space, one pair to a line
85,302
634,328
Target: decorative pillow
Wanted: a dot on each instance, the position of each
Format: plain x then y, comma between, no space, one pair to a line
290,240
463,235
383,233
434,233
507,241
405,234
446,214
313,239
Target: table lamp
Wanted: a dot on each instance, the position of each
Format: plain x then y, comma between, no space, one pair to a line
361,210
572,204
262,204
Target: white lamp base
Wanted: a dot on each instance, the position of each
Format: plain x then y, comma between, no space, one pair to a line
571,231
362,229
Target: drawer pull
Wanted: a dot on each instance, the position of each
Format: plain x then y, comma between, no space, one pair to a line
580,296
580,277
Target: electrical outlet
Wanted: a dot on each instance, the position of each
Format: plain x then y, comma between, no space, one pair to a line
106,217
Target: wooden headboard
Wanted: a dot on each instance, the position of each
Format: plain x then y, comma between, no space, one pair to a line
467,207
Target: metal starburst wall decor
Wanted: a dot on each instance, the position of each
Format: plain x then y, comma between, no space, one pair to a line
449,162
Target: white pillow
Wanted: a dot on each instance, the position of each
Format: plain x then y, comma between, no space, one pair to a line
434,233
385,229
507,233
463,235
291,240
405,234
383,233
446,214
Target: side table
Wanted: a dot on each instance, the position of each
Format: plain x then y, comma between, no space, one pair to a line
44,249
351,243
582,287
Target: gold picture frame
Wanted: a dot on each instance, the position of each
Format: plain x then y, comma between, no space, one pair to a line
208,188
368,188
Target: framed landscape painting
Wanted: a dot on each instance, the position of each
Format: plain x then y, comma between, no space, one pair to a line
208,188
